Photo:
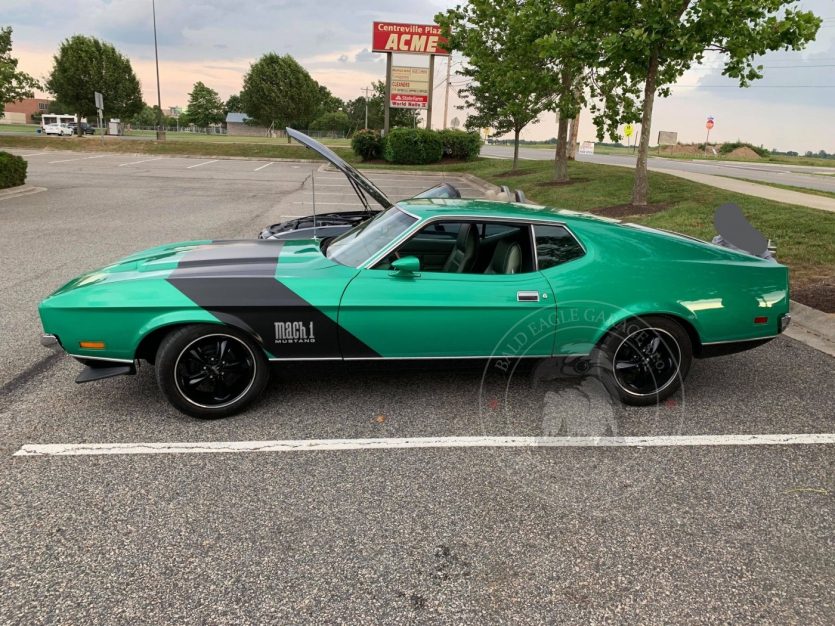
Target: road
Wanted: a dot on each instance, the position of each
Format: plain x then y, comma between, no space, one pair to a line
679,534
820,178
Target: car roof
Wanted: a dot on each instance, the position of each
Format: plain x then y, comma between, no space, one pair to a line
426,208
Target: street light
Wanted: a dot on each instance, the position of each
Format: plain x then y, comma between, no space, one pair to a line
160,132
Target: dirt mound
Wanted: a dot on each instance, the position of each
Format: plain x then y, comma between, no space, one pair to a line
743,153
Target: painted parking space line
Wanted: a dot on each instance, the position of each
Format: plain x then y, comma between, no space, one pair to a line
138,162
101,156
333,203
262,167
312,445
199,164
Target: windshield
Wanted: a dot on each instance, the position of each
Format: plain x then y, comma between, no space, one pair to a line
362,242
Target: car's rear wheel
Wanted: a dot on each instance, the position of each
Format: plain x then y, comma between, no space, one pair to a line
211,371
644,360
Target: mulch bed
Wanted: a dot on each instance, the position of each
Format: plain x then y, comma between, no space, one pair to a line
564,183
511,173
629,210
820,296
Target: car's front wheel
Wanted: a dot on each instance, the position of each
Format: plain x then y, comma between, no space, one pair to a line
211,371
644,360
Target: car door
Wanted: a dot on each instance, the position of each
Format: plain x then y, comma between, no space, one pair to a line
433,314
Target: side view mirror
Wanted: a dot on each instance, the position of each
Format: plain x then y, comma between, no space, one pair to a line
407,266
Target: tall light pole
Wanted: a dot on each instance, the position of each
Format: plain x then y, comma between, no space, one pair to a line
156,56
366,90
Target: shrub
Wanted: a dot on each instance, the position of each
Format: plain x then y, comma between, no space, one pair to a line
727,148
12,170
413,146
460,145
366,144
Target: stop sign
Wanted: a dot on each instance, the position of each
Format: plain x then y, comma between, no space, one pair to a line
709,124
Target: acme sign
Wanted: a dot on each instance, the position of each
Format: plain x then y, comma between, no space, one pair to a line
410,38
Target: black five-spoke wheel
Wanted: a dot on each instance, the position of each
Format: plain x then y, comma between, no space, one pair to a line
647,361
211,371
644,360
215,370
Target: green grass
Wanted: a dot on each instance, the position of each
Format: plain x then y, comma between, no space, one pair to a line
19,128
774,158
278,149
805,237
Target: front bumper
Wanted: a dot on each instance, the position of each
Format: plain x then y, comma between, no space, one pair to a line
51,341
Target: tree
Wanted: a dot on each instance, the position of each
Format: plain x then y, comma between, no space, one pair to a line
398,117
14,85
338,120
146,117
204,106
278,91
85,65
234,104
511,84
654,42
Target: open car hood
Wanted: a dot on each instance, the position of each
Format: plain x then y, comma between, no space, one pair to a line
359,182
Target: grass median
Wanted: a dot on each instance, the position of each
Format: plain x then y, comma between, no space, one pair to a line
279,149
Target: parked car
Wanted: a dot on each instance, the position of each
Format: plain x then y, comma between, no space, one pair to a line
85,128
58,129
425,278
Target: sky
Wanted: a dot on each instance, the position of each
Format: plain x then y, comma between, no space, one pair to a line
215,41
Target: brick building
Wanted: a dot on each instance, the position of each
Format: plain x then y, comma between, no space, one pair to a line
236,126
21,111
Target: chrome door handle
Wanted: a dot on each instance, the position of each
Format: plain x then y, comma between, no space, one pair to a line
527,296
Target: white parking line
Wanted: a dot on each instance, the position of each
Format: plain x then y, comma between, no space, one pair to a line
138,162
101,156
333,203
262,167
199,164
308,445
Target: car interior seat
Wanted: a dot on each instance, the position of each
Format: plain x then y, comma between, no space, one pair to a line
507,258
463,255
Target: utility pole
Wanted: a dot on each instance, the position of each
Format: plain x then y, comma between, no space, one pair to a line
366,90
431,91
446,95
160,132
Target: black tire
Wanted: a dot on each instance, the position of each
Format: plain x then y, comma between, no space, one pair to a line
643,360
211,371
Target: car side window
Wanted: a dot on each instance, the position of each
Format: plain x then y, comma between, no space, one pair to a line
555,246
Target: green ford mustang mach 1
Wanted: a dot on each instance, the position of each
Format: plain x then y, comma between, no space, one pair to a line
424,279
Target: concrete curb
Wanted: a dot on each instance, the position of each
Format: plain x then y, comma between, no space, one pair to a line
22,190
812,327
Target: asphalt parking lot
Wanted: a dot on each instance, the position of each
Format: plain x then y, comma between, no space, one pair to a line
635,534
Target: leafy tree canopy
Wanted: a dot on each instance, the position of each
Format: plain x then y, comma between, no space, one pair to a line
14,85
277,90
234,104
85,65
204,106
337,120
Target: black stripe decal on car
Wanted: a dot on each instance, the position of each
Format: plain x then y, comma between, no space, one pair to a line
235,281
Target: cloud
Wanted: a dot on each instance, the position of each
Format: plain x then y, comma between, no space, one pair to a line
220,46
365,56
343,58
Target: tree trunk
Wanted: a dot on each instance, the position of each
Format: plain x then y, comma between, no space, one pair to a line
78,130
561,162
516,149
641,187
572,145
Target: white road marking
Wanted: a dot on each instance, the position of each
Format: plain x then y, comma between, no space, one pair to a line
37,154
138,162
308,445
101,156
199,164
262,167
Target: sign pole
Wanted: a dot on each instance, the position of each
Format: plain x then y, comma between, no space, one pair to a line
388,95
431,89
446,90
